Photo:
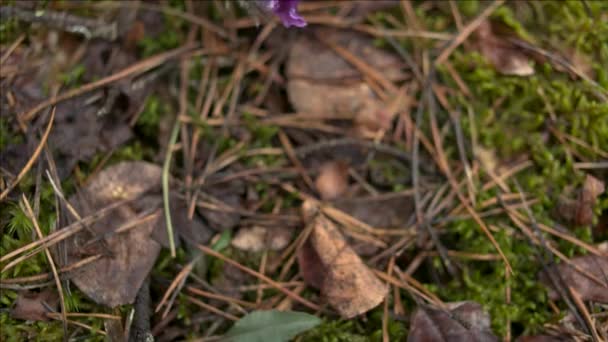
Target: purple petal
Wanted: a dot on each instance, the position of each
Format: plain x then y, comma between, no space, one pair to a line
287,11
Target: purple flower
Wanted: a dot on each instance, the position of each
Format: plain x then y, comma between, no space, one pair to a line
286,10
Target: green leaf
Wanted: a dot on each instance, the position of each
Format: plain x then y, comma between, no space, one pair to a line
270,326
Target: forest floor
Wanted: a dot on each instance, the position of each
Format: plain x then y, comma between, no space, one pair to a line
420,170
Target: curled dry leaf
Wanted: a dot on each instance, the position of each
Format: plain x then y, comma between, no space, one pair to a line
589,289
126,257
465,321
322,82
32,306
327,262
506,58
258,238
580,210
332,181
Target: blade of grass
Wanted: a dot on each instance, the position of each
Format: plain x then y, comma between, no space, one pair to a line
165,185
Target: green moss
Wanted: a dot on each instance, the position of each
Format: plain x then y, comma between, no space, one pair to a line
486,283
73,77
336,331
172,36
149,120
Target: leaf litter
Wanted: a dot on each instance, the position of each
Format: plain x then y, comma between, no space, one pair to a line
506,58
328,263
351,132
593,289
34,306
126,257
462,321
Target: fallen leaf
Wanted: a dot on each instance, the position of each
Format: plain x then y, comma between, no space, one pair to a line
589,289
332,181
228,281
127,257
506,58
331,265
230,195
79,134
34,306
465,321
259,238
580,210
540,338
383,211
270,326
592,189
321,81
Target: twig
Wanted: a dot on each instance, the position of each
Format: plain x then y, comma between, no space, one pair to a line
12,48
262,277
466,32
211,308
89,28
30,213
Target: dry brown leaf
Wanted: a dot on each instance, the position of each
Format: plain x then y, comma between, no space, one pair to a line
115,278
321,81
506,58
32,306
329,263
465,321
379,211
127,257
580,210
540,338
589,289
258,238
224,195
332,181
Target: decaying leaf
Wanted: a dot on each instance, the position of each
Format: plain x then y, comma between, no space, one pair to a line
395,209
580,210
330,264
506,58
228,281
258,238
589,289
224,200
79,133
321,81
540,338
332,180
465,321
32,306
126,257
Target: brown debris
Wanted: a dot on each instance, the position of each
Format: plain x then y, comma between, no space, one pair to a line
396,209
127,257
506,58
327,262
580,210
465,321
595,289
259,238
32,306
321,81
539,338
332,181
